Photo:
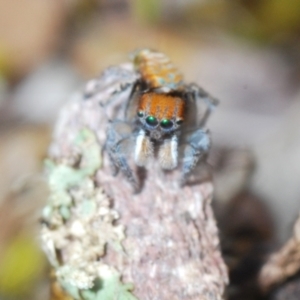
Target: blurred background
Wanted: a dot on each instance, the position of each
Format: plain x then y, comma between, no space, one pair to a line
244,52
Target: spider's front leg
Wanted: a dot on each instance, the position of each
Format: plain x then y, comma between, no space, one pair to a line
197,146
204,103
118,143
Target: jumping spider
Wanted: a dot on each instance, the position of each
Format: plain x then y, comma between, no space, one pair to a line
165,116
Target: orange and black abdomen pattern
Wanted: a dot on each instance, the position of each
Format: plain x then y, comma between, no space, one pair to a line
157,70
162,106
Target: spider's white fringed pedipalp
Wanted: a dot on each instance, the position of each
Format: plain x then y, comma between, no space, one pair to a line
168,153
143,149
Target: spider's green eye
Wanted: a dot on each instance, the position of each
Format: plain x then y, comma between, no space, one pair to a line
140,114
166,124
152,121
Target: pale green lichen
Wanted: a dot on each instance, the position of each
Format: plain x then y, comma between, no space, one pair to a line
78,224
61,176
107,286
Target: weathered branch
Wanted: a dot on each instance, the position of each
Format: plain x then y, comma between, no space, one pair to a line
99,236
281,267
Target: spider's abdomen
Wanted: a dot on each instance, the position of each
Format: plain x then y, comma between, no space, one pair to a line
157,70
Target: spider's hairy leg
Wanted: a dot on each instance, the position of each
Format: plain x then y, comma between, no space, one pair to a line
168,153
200,96
119,135
143,148
112,88
198,145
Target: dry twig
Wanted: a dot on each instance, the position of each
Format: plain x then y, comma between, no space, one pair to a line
283,264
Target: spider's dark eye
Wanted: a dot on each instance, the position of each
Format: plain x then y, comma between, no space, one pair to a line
152,121
179,122
140,114
167,124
